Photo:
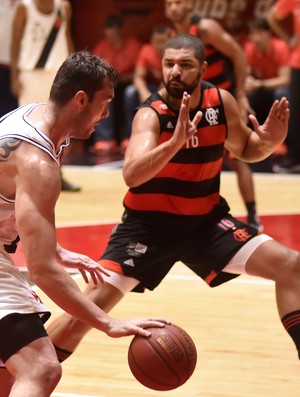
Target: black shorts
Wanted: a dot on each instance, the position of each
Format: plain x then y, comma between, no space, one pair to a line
147,253
18,330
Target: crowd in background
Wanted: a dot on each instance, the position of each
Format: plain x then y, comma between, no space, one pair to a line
268,76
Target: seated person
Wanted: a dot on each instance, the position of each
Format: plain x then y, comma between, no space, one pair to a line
148,73
269,70
120,51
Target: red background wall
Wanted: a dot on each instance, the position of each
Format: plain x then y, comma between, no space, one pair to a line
141,15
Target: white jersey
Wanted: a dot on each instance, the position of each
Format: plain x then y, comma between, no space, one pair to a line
7,12
15,292
37,30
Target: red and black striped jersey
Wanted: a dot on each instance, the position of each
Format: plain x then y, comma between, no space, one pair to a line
189,184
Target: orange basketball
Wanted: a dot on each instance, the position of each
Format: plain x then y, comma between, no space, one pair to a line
165,360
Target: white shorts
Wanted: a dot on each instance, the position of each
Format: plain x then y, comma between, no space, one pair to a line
16,295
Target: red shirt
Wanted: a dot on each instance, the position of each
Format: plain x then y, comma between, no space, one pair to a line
265,66
150,60
123,58
283,9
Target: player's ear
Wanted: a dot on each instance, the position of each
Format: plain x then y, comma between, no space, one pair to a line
81,98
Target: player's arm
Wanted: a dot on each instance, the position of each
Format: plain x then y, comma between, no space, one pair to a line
37,190
68,11
211,32
18,28
255,144
275,20
140,82
144,157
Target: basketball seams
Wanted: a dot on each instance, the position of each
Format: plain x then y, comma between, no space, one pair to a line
189,347
163,361
146,375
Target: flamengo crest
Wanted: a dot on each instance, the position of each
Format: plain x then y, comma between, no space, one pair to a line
211,116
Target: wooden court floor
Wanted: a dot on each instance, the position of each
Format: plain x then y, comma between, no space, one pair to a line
243,350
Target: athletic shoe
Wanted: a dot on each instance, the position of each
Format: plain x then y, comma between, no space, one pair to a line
254,221
69,187
288,166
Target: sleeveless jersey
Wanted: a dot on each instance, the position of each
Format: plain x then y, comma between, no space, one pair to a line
37,30
16,125
188,186
216,61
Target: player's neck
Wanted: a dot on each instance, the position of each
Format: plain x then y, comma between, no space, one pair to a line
45,6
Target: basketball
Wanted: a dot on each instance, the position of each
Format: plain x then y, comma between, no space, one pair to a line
163,361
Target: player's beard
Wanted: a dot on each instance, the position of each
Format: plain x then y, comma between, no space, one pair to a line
177,92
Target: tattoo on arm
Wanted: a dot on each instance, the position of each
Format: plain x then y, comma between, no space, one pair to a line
7,146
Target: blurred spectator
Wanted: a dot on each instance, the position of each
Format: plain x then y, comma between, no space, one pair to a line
269,70
8,101
234,23
147,75
120,51
277,14
41,41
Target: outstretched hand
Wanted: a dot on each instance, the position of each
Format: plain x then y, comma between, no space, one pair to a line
274,130
84,264
136,326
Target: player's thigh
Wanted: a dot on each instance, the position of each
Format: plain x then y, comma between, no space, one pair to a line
272,260
42,358
6,382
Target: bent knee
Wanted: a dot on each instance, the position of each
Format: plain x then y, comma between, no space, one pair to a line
289,268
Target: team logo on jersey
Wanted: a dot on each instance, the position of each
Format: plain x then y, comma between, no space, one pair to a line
241,235
136,249
211,116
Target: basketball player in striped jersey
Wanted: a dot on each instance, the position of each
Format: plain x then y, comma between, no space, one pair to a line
220,47
173,208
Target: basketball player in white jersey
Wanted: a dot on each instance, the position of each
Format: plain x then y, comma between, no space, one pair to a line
32,139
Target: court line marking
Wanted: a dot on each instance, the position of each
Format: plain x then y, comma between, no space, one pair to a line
57,394
61,225
253,281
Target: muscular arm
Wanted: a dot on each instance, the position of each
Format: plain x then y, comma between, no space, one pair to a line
37,190
255,144
144,157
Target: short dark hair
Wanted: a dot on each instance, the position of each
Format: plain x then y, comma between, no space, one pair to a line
260,24
187,41
81,71
113,21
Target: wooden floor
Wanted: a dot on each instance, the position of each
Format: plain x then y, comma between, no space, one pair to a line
243,350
